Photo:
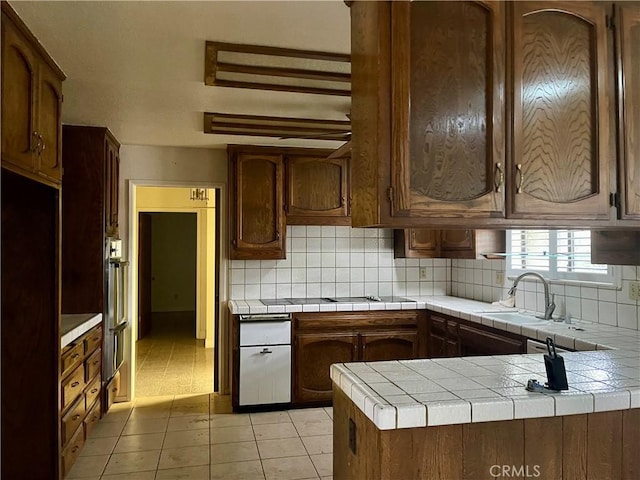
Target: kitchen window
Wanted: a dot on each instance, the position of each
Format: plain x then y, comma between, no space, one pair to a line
563,255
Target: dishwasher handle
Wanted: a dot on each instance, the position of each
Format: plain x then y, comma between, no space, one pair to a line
265,351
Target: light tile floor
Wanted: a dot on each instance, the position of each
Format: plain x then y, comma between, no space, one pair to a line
170,360
187,437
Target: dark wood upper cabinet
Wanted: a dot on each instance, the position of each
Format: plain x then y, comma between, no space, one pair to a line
561,142
257,183
317,190
428,82
492,114
428,243
447,128
31,104
627,17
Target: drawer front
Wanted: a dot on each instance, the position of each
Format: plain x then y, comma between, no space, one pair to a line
92,365
93,391
72,386
71,452
72,419
72,357
92,418
265,333
93,339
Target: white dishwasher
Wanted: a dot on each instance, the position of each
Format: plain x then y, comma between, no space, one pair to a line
265,359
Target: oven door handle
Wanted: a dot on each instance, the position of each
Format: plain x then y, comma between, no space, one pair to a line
120,327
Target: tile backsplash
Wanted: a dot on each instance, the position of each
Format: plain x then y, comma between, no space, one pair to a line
476,279
351,262
338,261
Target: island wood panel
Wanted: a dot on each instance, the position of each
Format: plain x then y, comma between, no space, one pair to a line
540,452
604,445
347,464
587,446
488,444
574,446
630,444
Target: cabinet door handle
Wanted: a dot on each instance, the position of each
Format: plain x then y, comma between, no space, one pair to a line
75,384
76,417
74,356
342,201
42,145
521,179
499,177
277,234
36,147
75,449
94,390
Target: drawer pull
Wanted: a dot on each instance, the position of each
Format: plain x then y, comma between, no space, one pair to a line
94,390
265,350
96,362
75,449
75,384
76,417
74,356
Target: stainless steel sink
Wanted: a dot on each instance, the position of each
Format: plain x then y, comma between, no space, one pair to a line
515,317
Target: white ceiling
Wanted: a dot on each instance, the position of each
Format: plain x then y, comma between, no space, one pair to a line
138,67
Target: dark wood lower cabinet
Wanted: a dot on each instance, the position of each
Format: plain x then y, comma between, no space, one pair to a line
378,346
314,354
453,337
321,339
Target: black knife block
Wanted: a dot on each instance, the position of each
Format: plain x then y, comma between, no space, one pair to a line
554,364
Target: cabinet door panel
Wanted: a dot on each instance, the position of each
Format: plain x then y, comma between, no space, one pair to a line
474,341
18,79
381,346
50,124
316,187
260,228
314,355
416,243
628,49
447,132
561,138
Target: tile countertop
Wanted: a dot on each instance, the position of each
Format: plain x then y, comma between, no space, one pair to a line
74,325
417,393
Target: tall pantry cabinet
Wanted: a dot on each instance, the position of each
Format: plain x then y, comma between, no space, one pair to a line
30,263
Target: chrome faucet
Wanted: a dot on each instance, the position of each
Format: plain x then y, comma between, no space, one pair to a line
549,305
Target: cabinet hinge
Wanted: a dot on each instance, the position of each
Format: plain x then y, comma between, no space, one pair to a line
614,199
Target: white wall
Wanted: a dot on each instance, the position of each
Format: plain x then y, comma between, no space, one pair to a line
179,167
475,279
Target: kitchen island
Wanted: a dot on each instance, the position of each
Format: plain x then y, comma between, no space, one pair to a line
466,418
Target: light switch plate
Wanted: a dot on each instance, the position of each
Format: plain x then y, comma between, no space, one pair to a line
634,290
423,273
499,278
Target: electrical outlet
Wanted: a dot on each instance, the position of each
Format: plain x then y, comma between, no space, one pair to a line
499,278
634,290
423,273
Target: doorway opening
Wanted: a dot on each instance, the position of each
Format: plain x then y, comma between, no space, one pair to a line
176,292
